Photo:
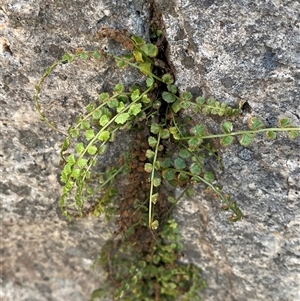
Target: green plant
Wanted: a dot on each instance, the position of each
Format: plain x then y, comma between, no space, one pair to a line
153,275
174,150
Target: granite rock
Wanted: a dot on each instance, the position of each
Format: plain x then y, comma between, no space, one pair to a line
234,51
43,257
243,51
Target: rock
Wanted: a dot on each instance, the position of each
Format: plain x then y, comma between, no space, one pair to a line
230,50
240,51
43,256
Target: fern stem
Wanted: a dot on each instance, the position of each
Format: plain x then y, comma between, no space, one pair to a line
289,129
150,215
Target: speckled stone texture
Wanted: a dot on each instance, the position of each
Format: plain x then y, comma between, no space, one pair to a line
43,257
232,50
244,51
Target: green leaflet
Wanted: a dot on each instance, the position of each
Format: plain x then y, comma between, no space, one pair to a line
293,134
179,163
104,136
209,177
184,153
255,123
145,68
150,50
227,140
246,139
168,97
135,109
148,167
122,118
227,127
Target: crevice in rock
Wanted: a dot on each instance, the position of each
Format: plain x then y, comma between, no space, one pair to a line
156,22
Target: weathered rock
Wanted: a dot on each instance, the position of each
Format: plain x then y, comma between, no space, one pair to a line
43,256
231,50
244,51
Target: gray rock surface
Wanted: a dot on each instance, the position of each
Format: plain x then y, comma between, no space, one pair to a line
42,256
231,50
244,51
